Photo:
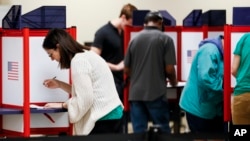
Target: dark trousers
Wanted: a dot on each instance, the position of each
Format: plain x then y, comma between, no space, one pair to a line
119,88
107,126
201,125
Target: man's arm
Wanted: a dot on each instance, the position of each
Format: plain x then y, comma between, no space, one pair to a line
116,67
127,71
171,74
235,65
113,67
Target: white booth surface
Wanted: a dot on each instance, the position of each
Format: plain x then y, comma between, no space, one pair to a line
189,44
41,68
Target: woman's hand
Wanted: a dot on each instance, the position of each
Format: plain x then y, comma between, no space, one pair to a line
53,105
51,83
54,83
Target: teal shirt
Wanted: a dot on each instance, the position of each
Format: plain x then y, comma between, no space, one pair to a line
243,74
202,95
114,114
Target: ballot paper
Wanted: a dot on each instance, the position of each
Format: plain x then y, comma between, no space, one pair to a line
180,84
36,106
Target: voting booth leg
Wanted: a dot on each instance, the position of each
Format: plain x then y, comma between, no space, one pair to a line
125,122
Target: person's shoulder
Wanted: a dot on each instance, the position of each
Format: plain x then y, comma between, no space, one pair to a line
85,56
103,28
166,36
246,34
209,48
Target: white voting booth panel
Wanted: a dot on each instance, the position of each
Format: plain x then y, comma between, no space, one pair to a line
213,34
12,61
15,122
189,45
41,67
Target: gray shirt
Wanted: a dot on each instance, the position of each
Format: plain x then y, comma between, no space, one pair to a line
147,55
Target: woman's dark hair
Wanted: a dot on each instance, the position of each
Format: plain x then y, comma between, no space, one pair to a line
67,46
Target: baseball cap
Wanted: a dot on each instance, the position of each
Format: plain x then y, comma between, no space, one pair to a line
153,16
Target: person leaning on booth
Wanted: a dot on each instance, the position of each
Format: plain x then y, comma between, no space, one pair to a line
202,96
108,43
149,61
240,70
94,106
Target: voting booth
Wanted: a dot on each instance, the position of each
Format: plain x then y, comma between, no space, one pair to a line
232,36
186,40
190,39
25,65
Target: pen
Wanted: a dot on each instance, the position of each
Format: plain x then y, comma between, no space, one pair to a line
45,83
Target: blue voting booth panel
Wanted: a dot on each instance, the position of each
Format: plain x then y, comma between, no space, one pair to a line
193,18
241,16
12,18
139,15
44,17
214,18
167,18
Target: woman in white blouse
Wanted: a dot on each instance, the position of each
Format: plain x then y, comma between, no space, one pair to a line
94,105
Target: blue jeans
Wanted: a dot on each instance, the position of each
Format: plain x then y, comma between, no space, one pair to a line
141,112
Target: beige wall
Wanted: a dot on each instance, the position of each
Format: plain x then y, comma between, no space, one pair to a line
89,15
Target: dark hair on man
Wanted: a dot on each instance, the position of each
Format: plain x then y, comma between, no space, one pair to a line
154,16
127,10
68,47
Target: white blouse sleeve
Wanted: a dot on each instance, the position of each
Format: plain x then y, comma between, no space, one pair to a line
82,90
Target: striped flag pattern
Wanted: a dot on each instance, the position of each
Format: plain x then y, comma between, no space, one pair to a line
13,70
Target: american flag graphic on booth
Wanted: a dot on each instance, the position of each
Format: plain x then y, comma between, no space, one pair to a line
190,55
13,70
